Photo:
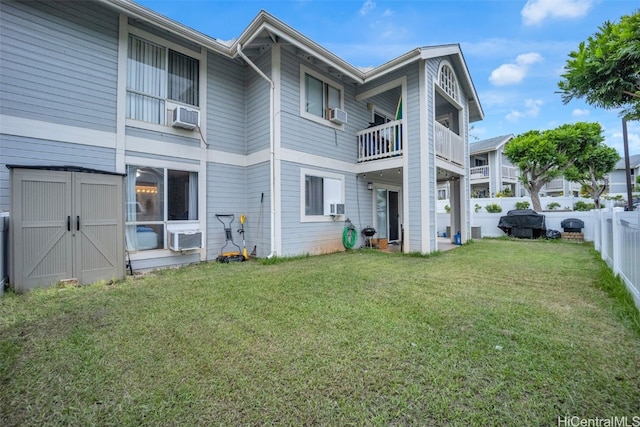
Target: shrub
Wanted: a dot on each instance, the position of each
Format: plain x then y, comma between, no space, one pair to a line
583,206
447,208
493,208
477,208
523,205
553,205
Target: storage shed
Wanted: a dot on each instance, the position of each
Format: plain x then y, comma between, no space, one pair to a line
67,223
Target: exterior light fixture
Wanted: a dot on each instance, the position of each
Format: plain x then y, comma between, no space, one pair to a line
369,186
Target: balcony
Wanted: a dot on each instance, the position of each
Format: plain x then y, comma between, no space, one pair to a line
380,142
482,173
449,146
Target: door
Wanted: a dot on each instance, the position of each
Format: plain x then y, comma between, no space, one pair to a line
394,217
99,233
40,228
387,214
66,225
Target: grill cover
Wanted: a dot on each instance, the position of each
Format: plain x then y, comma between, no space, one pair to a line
523,223
571,225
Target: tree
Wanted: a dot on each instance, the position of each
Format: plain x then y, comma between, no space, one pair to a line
605,71
543,156
592,168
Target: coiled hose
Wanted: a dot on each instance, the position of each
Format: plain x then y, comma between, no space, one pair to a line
349,236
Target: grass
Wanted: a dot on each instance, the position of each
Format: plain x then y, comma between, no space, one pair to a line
498,332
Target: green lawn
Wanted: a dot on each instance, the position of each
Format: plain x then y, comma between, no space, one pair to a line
496,332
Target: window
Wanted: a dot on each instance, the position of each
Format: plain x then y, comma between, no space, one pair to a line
447,81
155,75
318,96
442,194
318,191
314,196
154,198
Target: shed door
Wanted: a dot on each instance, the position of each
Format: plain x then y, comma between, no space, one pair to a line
66,225
98,223
41,204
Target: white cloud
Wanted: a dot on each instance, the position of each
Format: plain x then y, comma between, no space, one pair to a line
536,11
578,112
508,74
531,109
367,7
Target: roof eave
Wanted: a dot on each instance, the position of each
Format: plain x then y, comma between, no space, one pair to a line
137,11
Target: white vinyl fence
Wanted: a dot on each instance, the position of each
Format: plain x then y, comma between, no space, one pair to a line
617,238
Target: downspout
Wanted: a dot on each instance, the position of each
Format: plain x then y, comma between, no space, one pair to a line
271,145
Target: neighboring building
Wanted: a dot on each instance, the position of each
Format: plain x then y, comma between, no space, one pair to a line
491,171
618,177
272,125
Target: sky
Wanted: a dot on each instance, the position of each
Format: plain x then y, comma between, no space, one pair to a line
515,50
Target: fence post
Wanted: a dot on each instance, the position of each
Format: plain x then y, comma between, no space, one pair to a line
616,256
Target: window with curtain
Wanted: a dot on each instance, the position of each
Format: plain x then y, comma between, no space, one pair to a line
314,195
156,74
154,198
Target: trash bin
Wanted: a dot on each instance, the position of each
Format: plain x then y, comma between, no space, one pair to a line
457,239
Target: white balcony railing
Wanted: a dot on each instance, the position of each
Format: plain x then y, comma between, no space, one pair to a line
479,173
483,172
379,142
509,172
449,146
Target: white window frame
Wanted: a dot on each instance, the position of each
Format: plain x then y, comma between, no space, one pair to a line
168,225
304,172
171,104
304,70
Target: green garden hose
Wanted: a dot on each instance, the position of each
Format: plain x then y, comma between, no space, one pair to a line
349,236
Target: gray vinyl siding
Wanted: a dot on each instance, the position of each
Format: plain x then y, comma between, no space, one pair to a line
300,238
192,140
23,151
258,224
258,123
417,189
165,35
225,105
226,194
58,62
431,77
304,135
151,156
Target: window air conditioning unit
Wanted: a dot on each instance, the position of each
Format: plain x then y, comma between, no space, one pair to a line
184,240
336,209
185,118
338,116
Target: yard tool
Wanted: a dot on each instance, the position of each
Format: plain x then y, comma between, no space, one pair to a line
254,252
226,257
243,218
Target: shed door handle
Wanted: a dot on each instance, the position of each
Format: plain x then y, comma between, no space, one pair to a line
78,222
68,222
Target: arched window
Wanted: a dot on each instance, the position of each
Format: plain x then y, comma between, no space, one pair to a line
447,81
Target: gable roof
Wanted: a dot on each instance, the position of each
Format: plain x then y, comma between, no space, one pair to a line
265,28
491,144
634,162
